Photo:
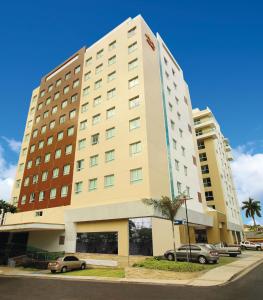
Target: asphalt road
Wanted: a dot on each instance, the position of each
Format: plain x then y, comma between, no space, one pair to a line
248,287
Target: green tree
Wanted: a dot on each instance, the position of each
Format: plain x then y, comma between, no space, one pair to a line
252,208
6,207
169,208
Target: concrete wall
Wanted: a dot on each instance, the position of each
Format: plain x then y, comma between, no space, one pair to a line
46,240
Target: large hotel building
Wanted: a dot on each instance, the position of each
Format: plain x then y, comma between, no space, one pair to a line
108,127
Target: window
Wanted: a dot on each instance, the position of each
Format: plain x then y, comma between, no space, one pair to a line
199,132
93,184
55,173
112,60
194,160
45,115
81,144
41,196
72,114
86,91
209,196
64,191
185,170
202,157
112,45
110,133
29,164
133,82
168,90
93,161
108,181
165,61
87,76
88,61
23,199
207,182
26,181
201,145
35,133
181,132
172,125
32,197
111,93
32,148
52,124
188,191
24,151
189,128
74,98
132,32
56,96
43,129
47,157
135,148
62,119
67,76
135,123
171,107
66,169
84,107
37,119
50,140
132,47
64,104
44,176
53,193
179,116
136,175
50,88
75,83
26,137
83,125
183,150
112,76
79,165
77,70
133,64
174,144
95,139
60,135
99,54
70,131
66,89
205,169
38,161
97,101
40,105
78,187
68,149
97,84
109,155
57,153
110,112
48,101
96,119
58,82
176,164
99,69
134,102
179,187
21,167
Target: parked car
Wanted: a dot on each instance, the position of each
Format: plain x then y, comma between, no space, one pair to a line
251,246
66,263
231,250
202,253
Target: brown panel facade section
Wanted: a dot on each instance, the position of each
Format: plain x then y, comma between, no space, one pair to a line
51,110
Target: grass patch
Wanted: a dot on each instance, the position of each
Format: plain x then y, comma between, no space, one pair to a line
165,265
100,272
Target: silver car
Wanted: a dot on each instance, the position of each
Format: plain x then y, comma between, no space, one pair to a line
202,253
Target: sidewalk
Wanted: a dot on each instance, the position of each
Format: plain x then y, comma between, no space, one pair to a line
216,276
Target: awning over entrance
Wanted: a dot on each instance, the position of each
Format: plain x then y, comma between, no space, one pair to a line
31,227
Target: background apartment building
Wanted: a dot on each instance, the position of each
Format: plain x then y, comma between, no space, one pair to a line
215,157
108,127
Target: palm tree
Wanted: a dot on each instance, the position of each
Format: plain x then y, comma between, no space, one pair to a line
6,207
252,208
169,208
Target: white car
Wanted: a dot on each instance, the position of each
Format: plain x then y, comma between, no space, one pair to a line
251,246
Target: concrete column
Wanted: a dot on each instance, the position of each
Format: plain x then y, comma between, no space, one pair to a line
70,237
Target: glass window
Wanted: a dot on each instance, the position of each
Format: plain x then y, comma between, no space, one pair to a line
56,96
88,61
72,114
99,69
75,83
135,123
133,82
94,160
96,119
109,181
135,148
87,76
77,70
83,125
112,60
97,101
70,131
52,124
111,93
35,179
99,54
26,181
64,191
109,155
95,139
66,169
110,112
176,164
53,193
78,187
35,133
50,88
132,32
136,175
81,144
110,133
60,135
47,157
41,196
112,76
79,165
84,107
132,47
74,98
64,104
66,89
23,199
86,91
43,129
62,119
97,84
45,115
134,102
32,197
68,75
57,153
55,173
112,45
133,64
68,149
44,176
93,184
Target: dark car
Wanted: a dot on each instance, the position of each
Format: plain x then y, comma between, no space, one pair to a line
202,253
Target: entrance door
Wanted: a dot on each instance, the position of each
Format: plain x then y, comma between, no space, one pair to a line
200,235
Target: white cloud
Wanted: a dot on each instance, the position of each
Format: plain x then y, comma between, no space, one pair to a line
7,175
13,144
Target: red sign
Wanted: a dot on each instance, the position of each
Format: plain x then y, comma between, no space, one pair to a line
149,41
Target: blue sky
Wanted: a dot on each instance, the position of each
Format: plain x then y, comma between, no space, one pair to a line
219,45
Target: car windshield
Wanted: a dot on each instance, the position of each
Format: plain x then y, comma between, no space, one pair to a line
209,246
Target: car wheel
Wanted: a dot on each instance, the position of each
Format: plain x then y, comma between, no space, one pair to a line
83,267
233,255
64,269
170,257
202,260
258,248
53,271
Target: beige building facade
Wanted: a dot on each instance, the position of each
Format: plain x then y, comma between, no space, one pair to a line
215,157
123,131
